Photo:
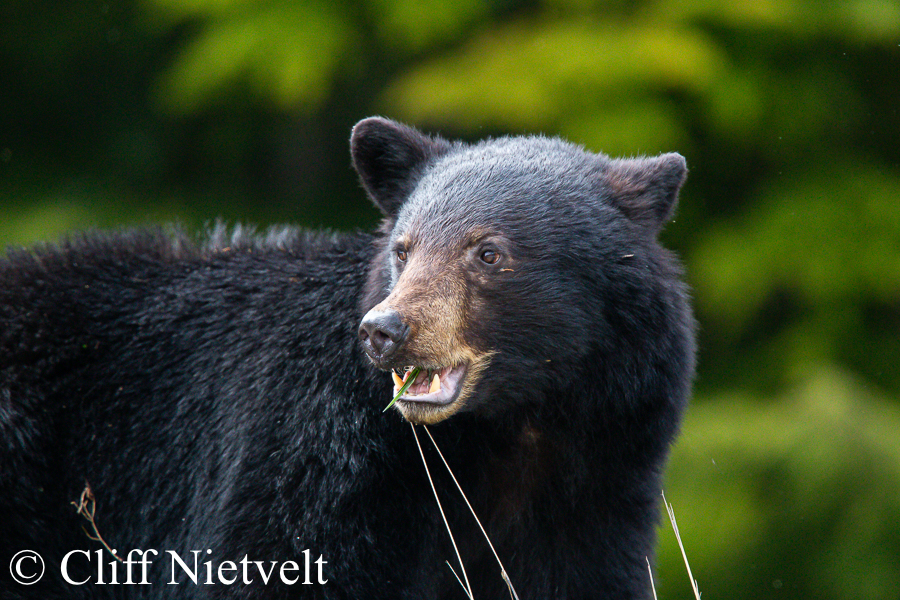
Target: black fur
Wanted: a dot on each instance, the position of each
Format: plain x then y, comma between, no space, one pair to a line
213,393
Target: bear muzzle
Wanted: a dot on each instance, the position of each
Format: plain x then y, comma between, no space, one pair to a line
383,335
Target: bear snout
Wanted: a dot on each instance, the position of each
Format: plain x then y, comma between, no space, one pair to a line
382,333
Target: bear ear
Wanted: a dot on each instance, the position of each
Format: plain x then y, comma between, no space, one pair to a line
390,158
646,189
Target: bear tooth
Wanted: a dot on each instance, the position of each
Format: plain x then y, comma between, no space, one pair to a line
398,383
435,384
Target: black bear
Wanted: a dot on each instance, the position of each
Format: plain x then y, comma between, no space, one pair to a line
214,407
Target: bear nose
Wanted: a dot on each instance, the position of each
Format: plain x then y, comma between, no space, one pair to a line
382,332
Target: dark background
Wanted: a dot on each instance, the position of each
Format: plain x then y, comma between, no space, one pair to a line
787,476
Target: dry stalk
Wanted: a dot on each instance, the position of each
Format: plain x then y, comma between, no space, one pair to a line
86,507
512,591
652,586
466,587
671,512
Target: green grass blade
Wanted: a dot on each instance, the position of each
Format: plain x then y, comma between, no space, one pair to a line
409,381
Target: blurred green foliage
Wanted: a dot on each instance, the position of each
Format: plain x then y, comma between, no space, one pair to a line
785,481
796,499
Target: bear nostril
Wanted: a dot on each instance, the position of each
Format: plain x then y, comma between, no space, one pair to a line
382,333
380,340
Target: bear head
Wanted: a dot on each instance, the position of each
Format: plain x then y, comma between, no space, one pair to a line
507,267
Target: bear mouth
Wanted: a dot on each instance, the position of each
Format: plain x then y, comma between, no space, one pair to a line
431,386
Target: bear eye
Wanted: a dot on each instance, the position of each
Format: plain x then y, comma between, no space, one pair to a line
490,257
401,255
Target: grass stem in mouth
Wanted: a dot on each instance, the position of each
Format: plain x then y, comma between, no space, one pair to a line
410,378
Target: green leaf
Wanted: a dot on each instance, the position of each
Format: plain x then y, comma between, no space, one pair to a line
409,381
